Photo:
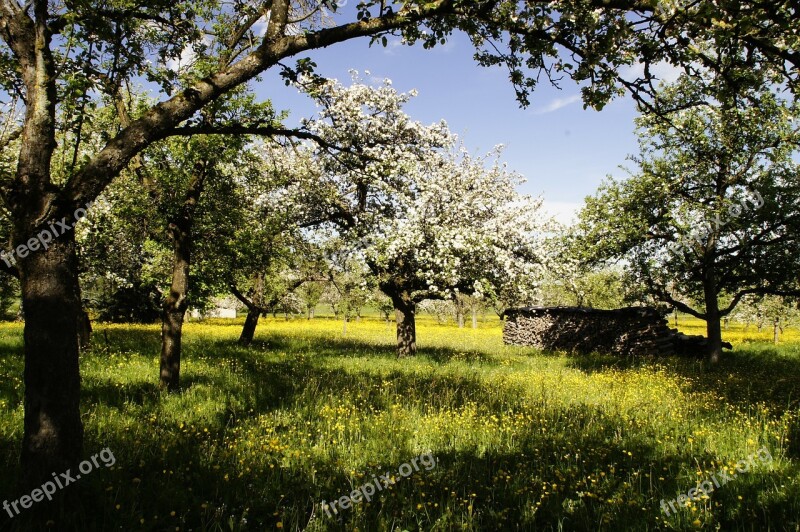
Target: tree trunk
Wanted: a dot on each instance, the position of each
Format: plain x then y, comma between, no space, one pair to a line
52,439
713,329
174,312
253,311
460,318
474,318
53,433
249,329
775,328
405,314
180,232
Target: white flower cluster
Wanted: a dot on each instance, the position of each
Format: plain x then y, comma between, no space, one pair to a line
425,209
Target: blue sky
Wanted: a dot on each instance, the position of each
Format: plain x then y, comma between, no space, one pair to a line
563,150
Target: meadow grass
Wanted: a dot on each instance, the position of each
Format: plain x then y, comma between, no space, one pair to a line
524,440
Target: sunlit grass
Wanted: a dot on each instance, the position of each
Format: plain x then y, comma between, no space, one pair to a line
259,437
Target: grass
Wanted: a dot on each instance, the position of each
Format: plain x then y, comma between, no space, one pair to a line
524,440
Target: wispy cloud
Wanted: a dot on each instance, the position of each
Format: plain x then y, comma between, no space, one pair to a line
392,47
663,71
186,59
565,212
558,103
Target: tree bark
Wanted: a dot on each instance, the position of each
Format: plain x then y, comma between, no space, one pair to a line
53,432
174,312
474,318
713,328
52,438
249,329
180,232
254,310
405,314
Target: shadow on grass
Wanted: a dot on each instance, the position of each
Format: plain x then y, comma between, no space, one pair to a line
344,347
544,483
574,480
750,375
746,376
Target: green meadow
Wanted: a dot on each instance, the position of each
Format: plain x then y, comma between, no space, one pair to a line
258,438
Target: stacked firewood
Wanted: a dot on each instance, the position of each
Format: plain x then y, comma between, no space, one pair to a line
627,331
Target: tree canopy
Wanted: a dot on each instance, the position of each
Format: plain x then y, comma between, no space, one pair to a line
712,207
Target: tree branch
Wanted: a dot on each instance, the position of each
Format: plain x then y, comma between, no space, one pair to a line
156,123
244,129
18,31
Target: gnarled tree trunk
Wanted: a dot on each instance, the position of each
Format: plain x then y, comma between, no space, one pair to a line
405,314
254,310
174,312
53,432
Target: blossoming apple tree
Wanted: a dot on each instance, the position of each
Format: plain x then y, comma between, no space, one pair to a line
429,219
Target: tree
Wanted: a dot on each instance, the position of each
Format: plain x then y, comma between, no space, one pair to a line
775,310
311,294
602,288
194,180
383,304
570,282
270,254
9,294
71,55
354,284
430,220
714,207
442,310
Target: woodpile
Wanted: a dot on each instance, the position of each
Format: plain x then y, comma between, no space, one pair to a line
633,331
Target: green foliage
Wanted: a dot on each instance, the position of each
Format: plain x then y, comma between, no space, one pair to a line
713,205
137,303
602,289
